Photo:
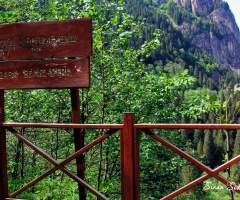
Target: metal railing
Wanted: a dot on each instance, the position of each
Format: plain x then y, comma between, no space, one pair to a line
129,155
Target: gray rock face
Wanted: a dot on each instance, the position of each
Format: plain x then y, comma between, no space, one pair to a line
197,6
226,49
226,22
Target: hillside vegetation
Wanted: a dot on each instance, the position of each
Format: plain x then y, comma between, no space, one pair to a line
142,63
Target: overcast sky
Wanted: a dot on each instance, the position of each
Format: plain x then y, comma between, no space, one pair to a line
235,8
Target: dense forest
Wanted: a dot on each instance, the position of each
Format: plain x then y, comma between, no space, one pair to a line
143,64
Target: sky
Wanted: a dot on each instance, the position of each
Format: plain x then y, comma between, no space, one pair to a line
235,8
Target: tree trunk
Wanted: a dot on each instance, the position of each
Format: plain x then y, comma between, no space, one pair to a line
228,152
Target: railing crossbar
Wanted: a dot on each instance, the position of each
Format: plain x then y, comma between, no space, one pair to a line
15,199
77,126
187,126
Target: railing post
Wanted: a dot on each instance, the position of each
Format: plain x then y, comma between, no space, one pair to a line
136,164
129,144
3,153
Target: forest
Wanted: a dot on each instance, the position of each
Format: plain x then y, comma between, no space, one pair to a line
141,63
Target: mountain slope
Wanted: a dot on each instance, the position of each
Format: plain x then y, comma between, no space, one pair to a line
225,49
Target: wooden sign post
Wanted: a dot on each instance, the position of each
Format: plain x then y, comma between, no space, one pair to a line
3,153
35,56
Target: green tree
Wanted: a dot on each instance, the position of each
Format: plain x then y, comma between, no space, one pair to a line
236,167
198,135
226,112
208,148
131,89
120,82
200,148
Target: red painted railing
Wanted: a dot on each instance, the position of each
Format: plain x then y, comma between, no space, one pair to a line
129,151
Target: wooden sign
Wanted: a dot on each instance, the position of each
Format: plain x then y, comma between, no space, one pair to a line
69,73
50,39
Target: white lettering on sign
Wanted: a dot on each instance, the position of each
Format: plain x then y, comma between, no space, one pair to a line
41,40
34,73
62,71
8,75
37,73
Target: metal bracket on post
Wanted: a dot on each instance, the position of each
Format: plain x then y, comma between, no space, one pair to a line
3,153
129,144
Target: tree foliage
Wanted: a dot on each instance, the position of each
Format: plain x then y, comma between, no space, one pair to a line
119,83
141,64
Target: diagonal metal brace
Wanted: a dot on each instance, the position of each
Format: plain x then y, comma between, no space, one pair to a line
209,171
201,179
60,165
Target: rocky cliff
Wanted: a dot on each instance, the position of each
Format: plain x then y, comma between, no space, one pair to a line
225,49
198,7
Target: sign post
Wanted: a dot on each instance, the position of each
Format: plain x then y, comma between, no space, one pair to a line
78,138
3,153
33,56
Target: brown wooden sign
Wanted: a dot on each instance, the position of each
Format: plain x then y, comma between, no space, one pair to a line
45,74
50,39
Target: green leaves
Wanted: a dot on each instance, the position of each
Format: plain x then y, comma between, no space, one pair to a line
91,12
120,82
